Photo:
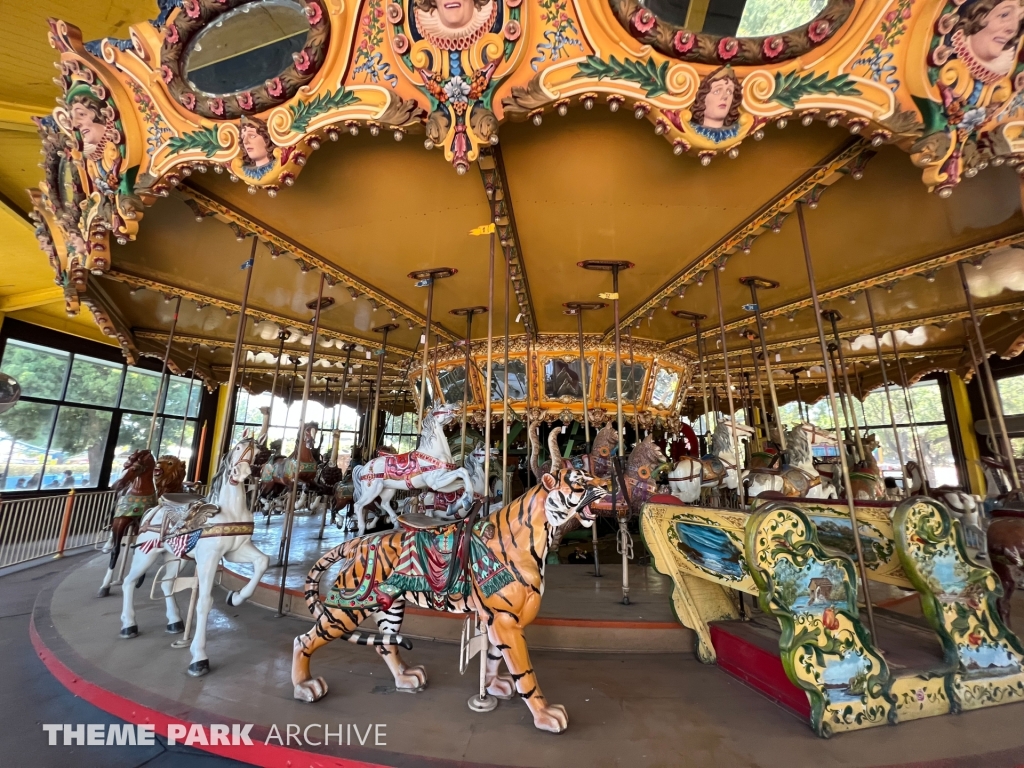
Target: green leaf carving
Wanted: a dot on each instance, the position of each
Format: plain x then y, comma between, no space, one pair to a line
646,74
205,140
305,111
791,87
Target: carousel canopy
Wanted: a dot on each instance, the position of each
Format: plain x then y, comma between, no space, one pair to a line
595,131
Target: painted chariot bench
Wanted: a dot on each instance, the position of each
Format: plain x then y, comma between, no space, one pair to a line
809,649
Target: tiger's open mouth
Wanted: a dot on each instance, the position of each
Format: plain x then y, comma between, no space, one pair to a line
592,494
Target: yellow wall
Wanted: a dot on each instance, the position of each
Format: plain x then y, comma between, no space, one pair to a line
965,423
223,402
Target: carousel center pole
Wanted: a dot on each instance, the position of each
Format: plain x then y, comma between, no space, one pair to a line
909,402
833,316
483,701
754,283
578,308
163,377
996,401
239,335
830,385
728,389
888,394
625,541
426,279
468,313
289,520
384,329
696,318
188,402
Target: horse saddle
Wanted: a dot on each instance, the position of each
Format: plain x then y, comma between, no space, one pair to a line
186,512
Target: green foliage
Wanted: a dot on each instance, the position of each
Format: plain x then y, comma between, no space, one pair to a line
647,75
791,87
770,17
305,111
40,373
205,140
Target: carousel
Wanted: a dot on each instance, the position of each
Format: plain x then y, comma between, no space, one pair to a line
653,303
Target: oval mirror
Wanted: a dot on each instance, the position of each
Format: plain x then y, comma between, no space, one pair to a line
733,18
245,47
770,17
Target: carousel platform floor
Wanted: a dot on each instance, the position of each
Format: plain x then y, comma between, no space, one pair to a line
580,612
636,710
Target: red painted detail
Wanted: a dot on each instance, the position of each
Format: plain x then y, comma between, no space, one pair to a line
266,755
665,498
759,668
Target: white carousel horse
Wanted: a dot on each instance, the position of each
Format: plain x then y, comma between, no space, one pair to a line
690,475
966,507
799,477
216,527
430,466
437,503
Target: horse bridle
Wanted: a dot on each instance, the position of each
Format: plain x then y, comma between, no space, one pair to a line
248,456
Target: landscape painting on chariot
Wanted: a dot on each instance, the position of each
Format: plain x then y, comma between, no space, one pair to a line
986,660
837,533
845,677
710,549
811,588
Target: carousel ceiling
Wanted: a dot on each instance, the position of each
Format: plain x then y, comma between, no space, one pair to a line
609,149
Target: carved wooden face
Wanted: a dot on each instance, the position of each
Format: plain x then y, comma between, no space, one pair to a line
455,14
255,146
87,123
718,102
999,32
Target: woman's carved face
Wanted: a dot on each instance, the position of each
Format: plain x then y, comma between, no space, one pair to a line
455,14
84,120
718,102
999,31
255,146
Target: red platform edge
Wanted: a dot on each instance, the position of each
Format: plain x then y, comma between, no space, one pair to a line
259,753
760,669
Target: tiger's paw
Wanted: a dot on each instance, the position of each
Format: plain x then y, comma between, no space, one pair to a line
551,718
502,687
311,690
411,680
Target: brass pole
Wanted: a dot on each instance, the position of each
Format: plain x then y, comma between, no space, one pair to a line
981,390
248,267
728,388
703,382
910,410
760,390
504,415
427,278
384,329
834,317
888,393
830,385
632,383
583,379
163,376
286,540
997,403
752,283
188,402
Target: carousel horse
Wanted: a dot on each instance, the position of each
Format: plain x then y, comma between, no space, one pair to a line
799,477
689,476
279,472
865,475
964,506
429,466
138,493
263,451
437,503
492,567
208,530
1005,547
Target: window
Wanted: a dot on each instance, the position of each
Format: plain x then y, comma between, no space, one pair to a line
71,405
400,432
284,422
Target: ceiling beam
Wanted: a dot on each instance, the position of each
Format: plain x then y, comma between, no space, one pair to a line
203,299
926,269
780,370
848,159
894,325
205,203
29,299
18,117
499,199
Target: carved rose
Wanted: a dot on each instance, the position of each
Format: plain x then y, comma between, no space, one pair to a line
188,100
166,74
819,30
191,8
314,13
244,100
728,47
643,21
773,46
172,35
302,60
275,87
683,41
217,107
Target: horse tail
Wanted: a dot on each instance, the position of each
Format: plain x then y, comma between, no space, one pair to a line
312,591
357,473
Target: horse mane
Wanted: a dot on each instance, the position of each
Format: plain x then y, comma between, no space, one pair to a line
606,436
720,440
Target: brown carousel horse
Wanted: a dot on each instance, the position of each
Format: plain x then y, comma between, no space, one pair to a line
866,476
143,482
1005,548
278,473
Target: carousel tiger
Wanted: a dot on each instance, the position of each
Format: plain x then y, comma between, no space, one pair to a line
492,566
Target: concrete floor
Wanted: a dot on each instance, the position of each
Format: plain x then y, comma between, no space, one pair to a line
623,710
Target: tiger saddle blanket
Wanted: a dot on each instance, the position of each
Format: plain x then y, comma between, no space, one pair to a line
437,562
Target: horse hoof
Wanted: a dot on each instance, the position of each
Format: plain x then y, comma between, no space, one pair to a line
104,592
228,599
199,668
175,628
129,632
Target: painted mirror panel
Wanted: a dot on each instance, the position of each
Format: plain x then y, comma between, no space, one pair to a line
516,380
771,17
562,379
632,382
246,47
666,383
453,384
